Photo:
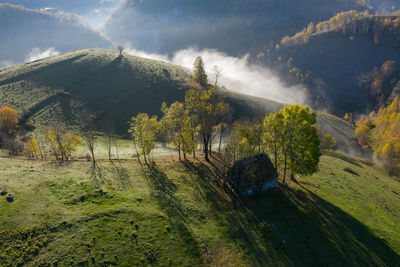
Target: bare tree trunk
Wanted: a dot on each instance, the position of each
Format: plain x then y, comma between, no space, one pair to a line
284,170
220,142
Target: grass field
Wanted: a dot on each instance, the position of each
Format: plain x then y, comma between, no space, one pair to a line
176,214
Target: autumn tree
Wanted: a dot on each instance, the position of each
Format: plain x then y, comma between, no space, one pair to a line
176,123
32,147
328,142
144,130
363,131
8,120
62,142
205,108
199,73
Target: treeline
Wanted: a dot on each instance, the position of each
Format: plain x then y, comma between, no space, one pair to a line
384,29
288,136
381,133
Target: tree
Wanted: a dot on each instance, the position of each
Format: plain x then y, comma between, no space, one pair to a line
144,130
362,131
176,123
217,72
328,142
32,147
8,119
62,142
120,49
199,73
299,141
206,108
273,131
89,137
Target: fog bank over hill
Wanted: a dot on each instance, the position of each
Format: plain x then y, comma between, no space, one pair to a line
238,74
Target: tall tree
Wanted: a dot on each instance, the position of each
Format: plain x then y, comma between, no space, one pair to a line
176,123
199,73
206,108
273,131
299,141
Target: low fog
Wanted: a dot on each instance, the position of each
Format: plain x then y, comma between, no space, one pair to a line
238,74
37,53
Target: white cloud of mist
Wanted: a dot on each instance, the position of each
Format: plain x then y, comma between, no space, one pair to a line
238,74
36,53
6,63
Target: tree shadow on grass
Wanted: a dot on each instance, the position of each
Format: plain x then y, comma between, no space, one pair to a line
293,226
163,190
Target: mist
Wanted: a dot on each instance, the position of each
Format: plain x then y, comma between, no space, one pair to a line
238,74
36,54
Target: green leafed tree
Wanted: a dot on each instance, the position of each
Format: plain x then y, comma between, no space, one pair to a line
299,140
206,108
177,127
144,130
273,131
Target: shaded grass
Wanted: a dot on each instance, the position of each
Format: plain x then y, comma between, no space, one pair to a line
176,214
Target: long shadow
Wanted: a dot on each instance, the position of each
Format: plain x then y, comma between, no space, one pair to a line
293,226
163,190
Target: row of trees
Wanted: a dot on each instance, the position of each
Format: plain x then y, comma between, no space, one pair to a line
289,135
200,118
381,133
384,29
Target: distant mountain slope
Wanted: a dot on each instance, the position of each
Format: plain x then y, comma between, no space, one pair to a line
344,63
23,29
235,27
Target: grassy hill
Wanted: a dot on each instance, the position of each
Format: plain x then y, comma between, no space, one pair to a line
176,214
56,90
114,88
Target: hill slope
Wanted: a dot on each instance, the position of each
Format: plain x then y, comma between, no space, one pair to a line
57,89
343,63
176,215
111,87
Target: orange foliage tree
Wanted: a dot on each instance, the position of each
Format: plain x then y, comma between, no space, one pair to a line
8,119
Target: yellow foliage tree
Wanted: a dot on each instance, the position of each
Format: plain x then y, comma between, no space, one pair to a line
32,147
8,119
62,142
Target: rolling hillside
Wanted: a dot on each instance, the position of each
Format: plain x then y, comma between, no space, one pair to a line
176,214
111,87
57,89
